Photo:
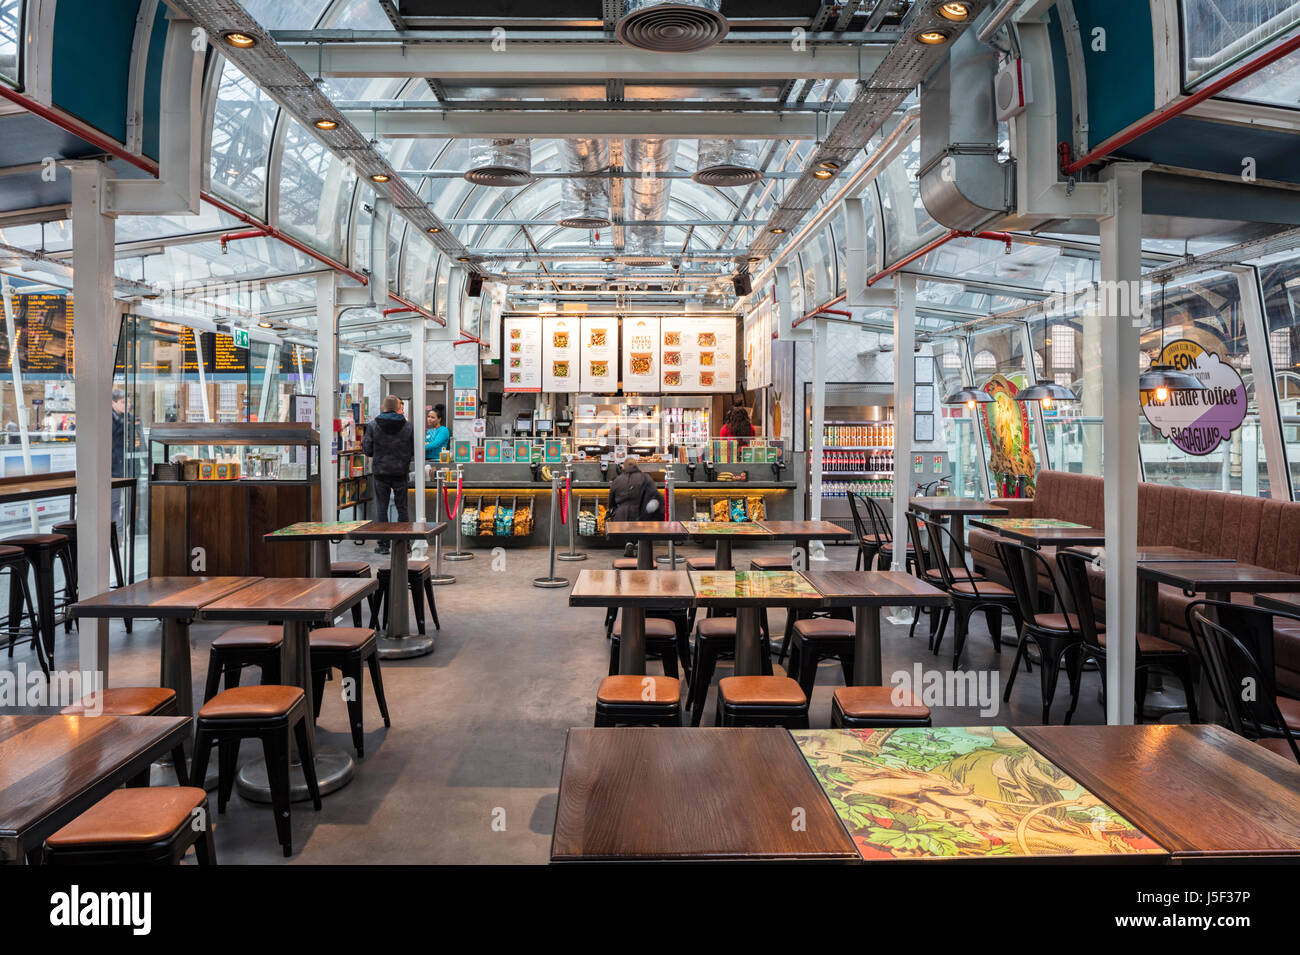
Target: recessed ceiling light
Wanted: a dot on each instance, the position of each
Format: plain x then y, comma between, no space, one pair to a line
823,174
379,177
607,258
434,230
754,260
932,37
326,124
954,11
777,231
829,164
239,40
462,258
263,324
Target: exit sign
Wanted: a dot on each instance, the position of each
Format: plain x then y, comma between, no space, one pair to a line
240,335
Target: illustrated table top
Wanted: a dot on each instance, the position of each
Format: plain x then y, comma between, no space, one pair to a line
753,588
315,530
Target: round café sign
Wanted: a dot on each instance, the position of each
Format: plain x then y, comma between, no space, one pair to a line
1198,421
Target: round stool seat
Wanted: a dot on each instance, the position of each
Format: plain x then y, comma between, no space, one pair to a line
636,691
761,691
770,563
877,703
654,627
124,701
251,702
625,563
824,628
1277,744
250,638
340,638
36,540
717,627
350,568
413,568
8,553
132,817
702,563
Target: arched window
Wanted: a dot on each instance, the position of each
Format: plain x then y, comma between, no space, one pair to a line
986,361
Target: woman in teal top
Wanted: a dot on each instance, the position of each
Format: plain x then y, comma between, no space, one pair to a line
436,438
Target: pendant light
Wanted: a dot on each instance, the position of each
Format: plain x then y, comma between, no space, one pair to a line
1162,378
970,397
1044,392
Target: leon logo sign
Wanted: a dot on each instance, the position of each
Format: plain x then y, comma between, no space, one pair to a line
1197,422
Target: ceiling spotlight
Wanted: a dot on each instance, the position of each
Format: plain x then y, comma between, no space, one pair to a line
263,324
932,37
462,258
241,41
434,230
326,124
379,177
956,12
823,174
829,164
777,231
607,258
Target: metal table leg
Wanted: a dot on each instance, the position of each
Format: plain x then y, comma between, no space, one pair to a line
645,554
722,554
320,559
398,643
749,657
631,642
866,647
176,667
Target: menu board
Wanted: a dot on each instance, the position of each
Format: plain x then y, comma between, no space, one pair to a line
600,355
523,354
641,354
698,354
560,353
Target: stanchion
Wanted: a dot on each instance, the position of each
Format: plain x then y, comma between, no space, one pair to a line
670,514
570,518
552,581
439,579
459,553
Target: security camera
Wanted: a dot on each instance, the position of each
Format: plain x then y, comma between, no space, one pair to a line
676,263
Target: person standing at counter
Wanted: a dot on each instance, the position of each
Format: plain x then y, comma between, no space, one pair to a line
737,425
633,496
436,436
390,443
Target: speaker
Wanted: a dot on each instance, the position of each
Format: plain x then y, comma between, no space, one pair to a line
475,285
741,283
494,402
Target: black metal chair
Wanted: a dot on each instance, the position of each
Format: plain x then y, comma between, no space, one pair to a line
868,545
968,594
884,533
927,569
1152,651
1237,653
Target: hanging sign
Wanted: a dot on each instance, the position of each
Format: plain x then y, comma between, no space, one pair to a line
523,354
641,354
1197,422
599,363
560,354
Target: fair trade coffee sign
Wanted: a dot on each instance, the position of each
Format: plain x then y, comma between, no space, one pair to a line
1197,422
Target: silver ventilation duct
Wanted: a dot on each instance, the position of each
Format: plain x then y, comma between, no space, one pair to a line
500,162
672,26
584,200
727,162
647,199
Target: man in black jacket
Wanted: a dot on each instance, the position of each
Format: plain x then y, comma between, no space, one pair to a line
390,443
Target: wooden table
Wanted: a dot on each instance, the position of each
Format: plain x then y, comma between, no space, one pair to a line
805,532
299,602
1040,532
644,534
1156,554
749,592
867,592
721,533
53,768
633,591
34,487
317,534
1202,792
956,509
176,601
397,642
646,793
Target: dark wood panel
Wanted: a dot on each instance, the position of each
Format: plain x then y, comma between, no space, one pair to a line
806,530
218,522
1200,791
724,794
619,531
168,531
271,507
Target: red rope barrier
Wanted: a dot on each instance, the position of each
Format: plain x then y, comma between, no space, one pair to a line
446,501
564,503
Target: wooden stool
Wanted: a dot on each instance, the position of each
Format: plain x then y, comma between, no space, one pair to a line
137,827
348,649
870,707
622,701
818,639
41,551
761,701
14,560
239,647
663,639
420,577
352,569
268,713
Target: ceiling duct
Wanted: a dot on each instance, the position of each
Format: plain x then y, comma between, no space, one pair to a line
727,162
584,197
672,26
647,198
500,162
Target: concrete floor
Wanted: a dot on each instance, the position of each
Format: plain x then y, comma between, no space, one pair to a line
469,770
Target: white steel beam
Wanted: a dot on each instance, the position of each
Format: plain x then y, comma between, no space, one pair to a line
904,403
1270,416
604,124
327,363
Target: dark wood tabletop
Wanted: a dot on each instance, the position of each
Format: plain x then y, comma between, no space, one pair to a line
1200,791
1158,553
644,530
874,588
632,588
643,793
965,506
1287,603
314,531
398,531
314,599
1029,531
753,588
1194,577
806,530
53,768
160,598
57,484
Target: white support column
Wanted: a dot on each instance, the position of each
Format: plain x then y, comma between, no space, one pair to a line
1270,418
1121,269
904,404
418,412
817,550
327,389
93,259
20,401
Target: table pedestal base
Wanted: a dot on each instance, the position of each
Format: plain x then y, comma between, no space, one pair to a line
570,556
665,559
458,555
334,769
551,583
404,647
442,580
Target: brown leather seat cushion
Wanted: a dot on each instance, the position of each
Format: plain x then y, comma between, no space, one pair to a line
1276,744
1148,643
1290,710
761,691
718,627
984,588
259,638
341,638
654,627
251,702
36,540
349,568
877,703
1062,621
824,628
124,701
935,576
770,563
64,527
132,817
420,567
10,553
702,563
630,689
625,563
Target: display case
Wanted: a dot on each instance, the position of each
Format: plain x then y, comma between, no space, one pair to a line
857,447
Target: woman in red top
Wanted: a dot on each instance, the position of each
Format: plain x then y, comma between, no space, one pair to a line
737,425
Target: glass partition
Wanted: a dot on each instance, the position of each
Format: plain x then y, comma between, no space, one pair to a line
11,36
958,422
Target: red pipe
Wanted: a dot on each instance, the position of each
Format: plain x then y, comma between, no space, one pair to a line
836,311
1169,112
817,311
392,311
1004,237
235,236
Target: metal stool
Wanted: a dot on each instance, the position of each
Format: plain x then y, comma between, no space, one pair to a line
761,701
420,578
629,700
351,569
348,649
137,827
41,551
871,707
14,560
239,647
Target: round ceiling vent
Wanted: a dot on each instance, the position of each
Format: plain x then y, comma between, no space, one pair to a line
727,162
672,26
643,261
586,222
727,175
500,162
